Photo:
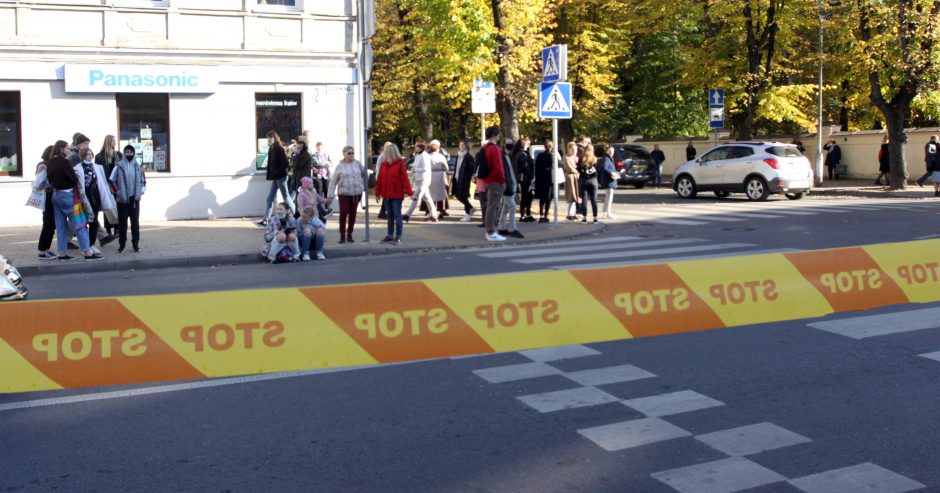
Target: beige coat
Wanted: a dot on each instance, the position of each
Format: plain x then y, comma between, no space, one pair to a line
570,165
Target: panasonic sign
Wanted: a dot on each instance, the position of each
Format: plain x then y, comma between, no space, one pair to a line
140,78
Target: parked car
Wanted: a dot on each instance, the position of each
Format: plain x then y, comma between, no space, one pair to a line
633,162
756,169
11,282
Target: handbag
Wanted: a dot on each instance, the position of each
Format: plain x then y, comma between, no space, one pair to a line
108,204
37,199
79,220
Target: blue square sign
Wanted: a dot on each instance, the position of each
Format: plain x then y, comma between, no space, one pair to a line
555,63
555,100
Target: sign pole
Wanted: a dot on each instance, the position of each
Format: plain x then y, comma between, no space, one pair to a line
482,129
555,166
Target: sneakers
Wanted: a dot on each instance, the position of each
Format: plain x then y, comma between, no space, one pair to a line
306,257
397,241
516,234
93,257
136,249
473,210
120,249
466,218
95,250
64,257
406,218
388,239
595,220
349,239
543,220
320,256
329,212
262,222
47,256
503,232
495,237
107,239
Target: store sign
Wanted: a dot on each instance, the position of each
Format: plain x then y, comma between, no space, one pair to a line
140,78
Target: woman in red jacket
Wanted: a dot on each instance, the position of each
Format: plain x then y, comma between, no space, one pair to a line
393,186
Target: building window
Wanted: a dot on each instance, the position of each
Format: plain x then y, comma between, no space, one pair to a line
278,5
11,159
140,3
278,112
144,122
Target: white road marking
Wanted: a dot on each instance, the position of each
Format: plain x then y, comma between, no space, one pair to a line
675,259
656,215
879,325
579,248
591,241
752,439
711,210
867,477
567,399
721,476
630,434
608,375
512,373
559,353
672,403
632,254
927,237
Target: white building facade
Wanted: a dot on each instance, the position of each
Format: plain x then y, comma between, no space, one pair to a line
194,85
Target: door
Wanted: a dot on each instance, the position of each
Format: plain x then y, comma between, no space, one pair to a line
709,171
739,162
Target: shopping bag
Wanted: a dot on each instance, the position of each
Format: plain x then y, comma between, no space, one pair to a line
37,199
79,220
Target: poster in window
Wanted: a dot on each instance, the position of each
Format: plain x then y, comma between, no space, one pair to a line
146,133
159,160
146,153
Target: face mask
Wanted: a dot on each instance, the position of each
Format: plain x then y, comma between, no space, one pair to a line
282,216
270,142
87,161
129,157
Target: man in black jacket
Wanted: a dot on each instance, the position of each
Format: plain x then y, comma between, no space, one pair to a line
931,159
833,158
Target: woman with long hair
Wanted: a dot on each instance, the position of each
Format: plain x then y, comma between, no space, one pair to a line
393,186
48,214
587,181
106,158
570,165
277,175
67,203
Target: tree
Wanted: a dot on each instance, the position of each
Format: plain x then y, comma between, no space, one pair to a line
898,40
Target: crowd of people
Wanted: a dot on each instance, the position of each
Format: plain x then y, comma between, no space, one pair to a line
77,188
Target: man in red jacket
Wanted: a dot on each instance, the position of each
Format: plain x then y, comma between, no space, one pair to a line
494,184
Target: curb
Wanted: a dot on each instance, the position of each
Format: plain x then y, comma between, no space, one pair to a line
871,194
79,266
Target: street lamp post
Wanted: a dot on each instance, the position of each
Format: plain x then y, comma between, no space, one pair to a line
819,108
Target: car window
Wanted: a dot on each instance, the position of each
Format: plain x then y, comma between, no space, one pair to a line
716,155
738,152
784,151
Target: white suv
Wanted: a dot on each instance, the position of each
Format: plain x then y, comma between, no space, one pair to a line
757,169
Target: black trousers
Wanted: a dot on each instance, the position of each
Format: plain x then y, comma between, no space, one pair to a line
525,205
467,207
589,194
48,225
128,211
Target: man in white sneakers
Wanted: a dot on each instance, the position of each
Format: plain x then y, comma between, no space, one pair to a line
492,178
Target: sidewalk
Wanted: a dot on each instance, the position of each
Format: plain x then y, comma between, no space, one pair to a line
239,241
867,189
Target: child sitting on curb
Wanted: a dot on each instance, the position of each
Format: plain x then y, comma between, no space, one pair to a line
280,237
312,230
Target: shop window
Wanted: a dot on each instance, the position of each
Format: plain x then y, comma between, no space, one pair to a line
278,5
11,159
278,112
144,122
140,3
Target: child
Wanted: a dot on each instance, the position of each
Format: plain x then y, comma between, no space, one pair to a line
307,196
311,229
280,234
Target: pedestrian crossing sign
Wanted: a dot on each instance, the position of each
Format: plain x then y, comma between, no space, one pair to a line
555,100
555,63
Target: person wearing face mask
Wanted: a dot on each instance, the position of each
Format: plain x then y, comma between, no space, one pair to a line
277,174
280,237
129,181
98,196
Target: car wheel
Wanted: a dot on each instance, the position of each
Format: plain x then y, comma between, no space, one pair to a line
639,185
685,187
722,193
756,188
795,196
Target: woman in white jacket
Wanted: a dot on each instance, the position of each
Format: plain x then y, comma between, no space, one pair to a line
422,182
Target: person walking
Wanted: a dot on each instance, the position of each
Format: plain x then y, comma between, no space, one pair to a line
106,158
277,174
799,145
48,213
438,186
422,182
493,183
544,169
346,183
130,183
572,194
393,186
587,182
930,149
507,214
67,204
690,152
525,171
658,157
884,163
302,166
463,176
607,178
833,158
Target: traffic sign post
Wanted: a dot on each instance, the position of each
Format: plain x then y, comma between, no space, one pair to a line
716,108
483,101
555,103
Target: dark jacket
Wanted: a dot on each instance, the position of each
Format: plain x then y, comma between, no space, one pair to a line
108,166
61,174
393,181
525,169
834,156
303,166
465,177
690,152
543,174
658,157
277,163
510,173
884,159
932,156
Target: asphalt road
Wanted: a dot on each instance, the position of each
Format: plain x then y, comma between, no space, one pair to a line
772,408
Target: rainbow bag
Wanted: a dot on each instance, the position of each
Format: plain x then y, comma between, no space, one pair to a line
79,220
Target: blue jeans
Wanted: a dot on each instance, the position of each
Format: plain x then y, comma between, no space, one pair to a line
63,201
280,184
395,223
318,241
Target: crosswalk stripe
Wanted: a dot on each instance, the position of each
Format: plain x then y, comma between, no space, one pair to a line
580,248
773,210
664,220
879,325
710,210
674,259
535,248
656,215
631,254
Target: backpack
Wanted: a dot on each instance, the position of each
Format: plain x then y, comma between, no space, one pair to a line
483,168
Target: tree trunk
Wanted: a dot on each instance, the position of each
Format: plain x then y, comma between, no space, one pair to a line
422,112
897,140
506,106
